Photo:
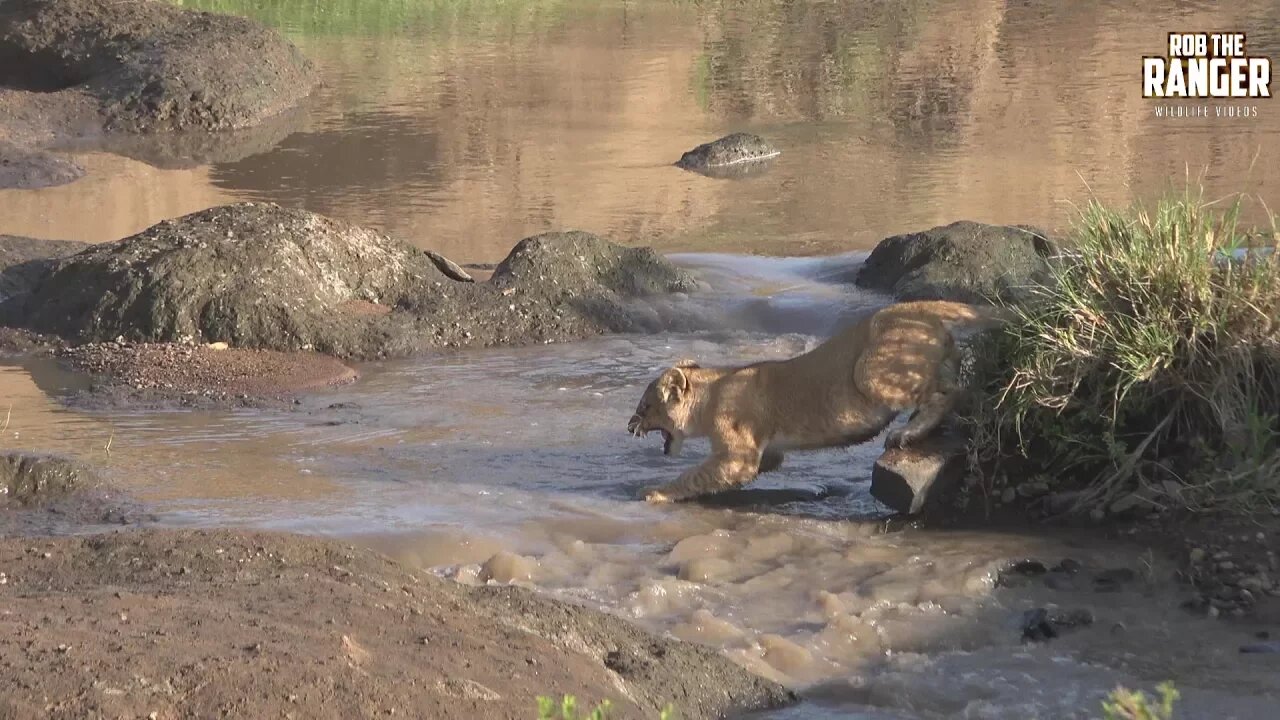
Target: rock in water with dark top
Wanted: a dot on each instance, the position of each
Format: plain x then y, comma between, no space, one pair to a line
738,153
918,477
964,261
258,276
142,66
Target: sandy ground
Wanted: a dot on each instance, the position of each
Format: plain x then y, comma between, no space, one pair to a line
169,624
177,372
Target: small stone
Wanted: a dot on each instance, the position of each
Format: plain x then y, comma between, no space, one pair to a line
1213,611
1253,583
63,649
1008,496
1226,565
1197,555
1246,596
1263,648
1097,515
1221,555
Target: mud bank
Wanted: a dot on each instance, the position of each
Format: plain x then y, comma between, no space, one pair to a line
182,624
71,68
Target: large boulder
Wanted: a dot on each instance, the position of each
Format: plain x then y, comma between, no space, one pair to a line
964,261
142,66
260,276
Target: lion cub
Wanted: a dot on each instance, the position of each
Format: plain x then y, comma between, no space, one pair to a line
843,392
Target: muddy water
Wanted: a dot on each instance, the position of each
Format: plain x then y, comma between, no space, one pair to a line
515,466
464,126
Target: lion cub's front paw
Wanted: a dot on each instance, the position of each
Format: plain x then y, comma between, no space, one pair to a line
656,497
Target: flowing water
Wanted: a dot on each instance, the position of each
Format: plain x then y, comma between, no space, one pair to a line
464,125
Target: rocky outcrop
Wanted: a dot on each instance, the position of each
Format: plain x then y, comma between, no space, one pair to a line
733,155
71,67
964,261
26,169
260,276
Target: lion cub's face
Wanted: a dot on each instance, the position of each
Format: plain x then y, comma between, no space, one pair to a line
664,407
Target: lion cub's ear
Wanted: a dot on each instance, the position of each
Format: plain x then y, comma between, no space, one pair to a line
673,384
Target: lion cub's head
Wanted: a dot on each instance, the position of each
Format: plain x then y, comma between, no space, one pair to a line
665,407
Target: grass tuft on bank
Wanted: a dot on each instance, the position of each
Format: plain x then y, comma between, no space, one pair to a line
1149,364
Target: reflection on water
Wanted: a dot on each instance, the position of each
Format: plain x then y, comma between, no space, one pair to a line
514,465
464,126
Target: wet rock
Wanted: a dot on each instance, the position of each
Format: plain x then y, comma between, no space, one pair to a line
30,480
143,66
1262,648
736,153
258,276
1041,624
25,261
1015,573
1113,579
964,261
22,168
914,479
450,268
1068,566
1036,626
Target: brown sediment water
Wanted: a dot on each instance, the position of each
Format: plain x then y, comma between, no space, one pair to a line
514,466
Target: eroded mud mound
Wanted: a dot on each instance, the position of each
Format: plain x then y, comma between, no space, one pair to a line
69,67
260,276
204,624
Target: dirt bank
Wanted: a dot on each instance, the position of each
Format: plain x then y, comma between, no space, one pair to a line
171,624
83,67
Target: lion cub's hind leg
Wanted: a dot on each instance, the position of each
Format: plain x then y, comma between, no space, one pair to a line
934,408
911,363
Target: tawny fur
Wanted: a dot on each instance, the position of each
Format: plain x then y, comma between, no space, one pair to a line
843,392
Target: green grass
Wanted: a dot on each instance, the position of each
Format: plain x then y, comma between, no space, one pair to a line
381,17
1125,704
1148,362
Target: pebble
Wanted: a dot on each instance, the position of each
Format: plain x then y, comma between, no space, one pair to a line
1213,611
1197,555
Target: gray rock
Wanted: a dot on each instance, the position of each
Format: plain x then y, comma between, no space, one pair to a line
916,478
22,168
255,275
964,261
732,155
145,66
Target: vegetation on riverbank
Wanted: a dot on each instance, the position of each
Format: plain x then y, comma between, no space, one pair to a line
359,17
1146,372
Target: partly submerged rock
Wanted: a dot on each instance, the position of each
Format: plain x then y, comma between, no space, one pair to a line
732,155
964,261
78,66
27,479
916,478
26,169
260,276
